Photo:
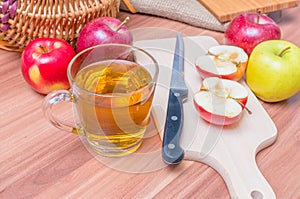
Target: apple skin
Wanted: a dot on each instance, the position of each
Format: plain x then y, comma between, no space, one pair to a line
244,31
271,77
216,119
44,63
103,30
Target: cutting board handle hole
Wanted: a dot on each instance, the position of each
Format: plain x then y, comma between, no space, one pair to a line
256,195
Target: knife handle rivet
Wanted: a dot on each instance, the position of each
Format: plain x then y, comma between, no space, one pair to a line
174,118
171,146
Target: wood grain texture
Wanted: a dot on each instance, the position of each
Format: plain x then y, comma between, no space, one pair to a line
225,11
39,161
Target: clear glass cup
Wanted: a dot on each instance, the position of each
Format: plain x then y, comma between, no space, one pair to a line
112,88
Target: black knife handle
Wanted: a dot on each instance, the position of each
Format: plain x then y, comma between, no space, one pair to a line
172,152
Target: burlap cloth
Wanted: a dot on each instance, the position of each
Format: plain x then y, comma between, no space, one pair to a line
188,11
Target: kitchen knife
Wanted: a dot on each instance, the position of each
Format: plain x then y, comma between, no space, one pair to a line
172,152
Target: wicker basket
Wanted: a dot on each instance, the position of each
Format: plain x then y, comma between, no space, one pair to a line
24,20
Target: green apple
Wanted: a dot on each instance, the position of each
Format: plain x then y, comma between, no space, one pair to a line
273,70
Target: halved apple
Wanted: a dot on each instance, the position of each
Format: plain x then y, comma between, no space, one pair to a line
224,61
221,101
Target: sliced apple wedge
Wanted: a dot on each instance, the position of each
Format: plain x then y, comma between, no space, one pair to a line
221,101
224,61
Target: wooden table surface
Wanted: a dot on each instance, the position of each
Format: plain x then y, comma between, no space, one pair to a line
40,161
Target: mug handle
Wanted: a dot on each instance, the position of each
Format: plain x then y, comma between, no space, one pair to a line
50,101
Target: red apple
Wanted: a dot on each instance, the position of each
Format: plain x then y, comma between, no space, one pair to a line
224,61
249,29
44,63
103,30
221,101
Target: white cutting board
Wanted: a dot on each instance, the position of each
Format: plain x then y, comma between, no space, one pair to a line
229,150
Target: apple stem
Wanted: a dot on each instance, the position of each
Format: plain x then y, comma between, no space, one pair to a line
258,15
121,24
43,48
248,110
283,51
245,107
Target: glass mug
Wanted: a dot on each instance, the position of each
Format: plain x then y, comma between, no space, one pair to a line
112,87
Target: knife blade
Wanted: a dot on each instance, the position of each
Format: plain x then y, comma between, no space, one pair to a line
172,152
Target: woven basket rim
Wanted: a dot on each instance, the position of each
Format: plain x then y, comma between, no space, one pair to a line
64,23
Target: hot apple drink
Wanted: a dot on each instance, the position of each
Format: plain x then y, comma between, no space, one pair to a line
114,123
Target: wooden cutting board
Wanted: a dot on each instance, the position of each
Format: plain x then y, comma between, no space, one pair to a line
227,10
229,150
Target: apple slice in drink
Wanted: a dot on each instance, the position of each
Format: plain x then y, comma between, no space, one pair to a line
221,101
224,61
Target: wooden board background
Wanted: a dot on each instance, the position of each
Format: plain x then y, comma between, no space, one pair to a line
227,10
